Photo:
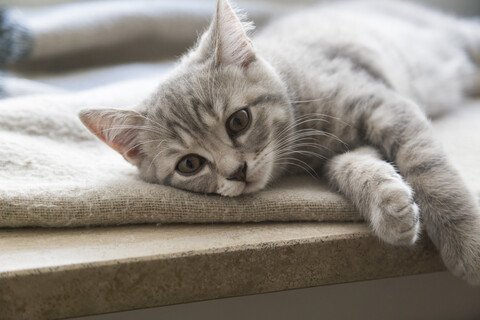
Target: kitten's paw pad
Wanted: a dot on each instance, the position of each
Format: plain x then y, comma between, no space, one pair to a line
398,219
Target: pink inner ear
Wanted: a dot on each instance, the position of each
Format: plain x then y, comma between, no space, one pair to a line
233,44
116,129
126,148
229,15
133,152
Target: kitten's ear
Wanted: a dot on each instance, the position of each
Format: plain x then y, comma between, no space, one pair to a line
117,128
227,38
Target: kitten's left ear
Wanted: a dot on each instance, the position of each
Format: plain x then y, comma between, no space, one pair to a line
118,129
227,38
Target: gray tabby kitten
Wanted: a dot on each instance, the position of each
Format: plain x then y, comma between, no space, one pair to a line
234,115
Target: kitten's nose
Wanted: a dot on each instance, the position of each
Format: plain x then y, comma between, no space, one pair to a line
240,174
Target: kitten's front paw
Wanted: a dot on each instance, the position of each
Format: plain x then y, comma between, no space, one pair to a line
397,217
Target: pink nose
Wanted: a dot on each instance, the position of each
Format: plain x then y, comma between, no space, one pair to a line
240,174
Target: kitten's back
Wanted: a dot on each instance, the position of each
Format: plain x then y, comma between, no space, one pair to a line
403,43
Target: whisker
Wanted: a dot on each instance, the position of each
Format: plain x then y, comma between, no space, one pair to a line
309,170
157,124
289,145
306,101
305,152
310,145
159,153
299,137
299,120
145,128
145,142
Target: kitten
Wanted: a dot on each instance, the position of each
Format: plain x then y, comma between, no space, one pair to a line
357,77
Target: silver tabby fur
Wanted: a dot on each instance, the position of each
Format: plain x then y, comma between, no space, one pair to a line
342,90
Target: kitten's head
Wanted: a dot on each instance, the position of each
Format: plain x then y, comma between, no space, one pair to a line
217,124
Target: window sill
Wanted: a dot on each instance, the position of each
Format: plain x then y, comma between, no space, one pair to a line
56,273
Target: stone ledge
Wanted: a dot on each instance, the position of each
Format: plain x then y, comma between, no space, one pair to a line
75,272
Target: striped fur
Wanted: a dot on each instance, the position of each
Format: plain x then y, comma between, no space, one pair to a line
337,90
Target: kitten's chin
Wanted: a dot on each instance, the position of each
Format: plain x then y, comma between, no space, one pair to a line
242,188
236,189
255,186
233,191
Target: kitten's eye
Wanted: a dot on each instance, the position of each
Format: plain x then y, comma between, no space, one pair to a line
238,122
190,164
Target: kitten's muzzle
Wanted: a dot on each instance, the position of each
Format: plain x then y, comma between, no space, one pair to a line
240,174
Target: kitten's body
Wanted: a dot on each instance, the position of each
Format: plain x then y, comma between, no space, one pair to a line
349,76
395,43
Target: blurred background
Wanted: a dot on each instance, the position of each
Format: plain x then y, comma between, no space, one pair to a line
52,36
463,7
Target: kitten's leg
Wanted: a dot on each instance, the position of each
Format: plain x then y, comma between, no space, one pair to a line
378,192
450,211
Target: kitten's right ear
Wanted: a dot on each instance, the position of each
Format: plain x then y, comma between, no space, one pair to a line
226,39
118,129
